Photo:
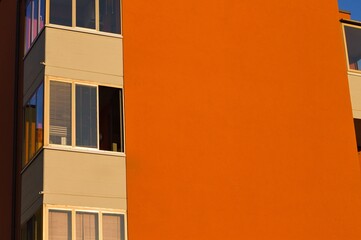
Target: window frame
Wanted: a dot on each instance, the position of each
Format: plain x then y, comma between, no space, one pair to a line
74,209
73,146
346,47
83,29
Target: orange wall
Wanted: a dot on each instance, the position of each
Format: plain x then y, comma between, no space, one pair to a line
238,121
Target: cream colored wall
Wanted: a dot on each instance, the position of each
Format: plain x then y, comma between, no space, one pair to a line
33,66
31,188
84,179
355,92
84,56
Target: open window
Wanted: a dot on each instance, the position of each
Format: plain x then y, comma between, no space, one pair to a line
93,113
353,42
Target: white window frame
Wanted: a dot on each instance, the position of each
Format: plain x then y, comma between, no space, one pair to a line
81,29
73,210
73,146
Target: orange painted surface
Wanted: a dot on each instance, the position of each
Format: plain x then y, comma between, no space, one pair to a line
238,121
344,15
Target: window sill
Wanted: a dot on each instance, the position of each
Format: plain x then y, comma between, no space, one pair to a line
84,150
354,72
84,30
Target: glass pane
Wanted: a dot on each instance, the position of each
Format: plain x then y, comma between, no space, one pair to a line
59,225
109,14
60,12
86,116
41,14
353,40
31,123
60,113
39,117
85,13
86,226
35,19
28,11
38,230
110,134
113,227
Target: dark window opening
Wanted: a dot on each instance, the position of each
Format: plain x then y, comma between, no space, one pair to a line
110,125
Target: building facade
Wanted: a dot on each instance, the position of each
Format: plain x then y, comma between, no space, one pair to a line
239,117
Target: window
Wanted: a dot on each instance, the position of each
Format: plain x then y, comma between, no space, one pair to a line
95,113
100,15
33,228
60,113
34,20
60,12
353,42
33,125
59,225
86,225
113,227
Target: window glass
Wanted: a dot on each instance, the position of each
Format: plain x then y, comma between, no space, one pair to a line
60,113
86,226
29,129
60,12
353,41
41,14
113,227
110,127
85,13
39,117
86,116
59,225
33,228
33,125
109,14
28,13
35,19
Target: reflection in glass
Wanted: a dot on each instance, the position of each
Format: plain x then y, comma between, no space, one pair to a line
86,116
28,12
39,117
41,14
35,19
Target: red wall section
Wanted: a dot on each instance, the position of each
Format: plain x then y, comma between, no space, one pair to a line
238,121
7,77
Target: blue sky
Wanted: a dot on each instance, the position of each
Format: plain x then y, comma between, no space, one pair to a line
353,6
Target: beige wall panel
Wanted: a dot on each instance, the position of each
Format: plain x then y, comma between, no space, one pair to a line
84,179
84,52
85,201
355,92
107,79
33,63
31,186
